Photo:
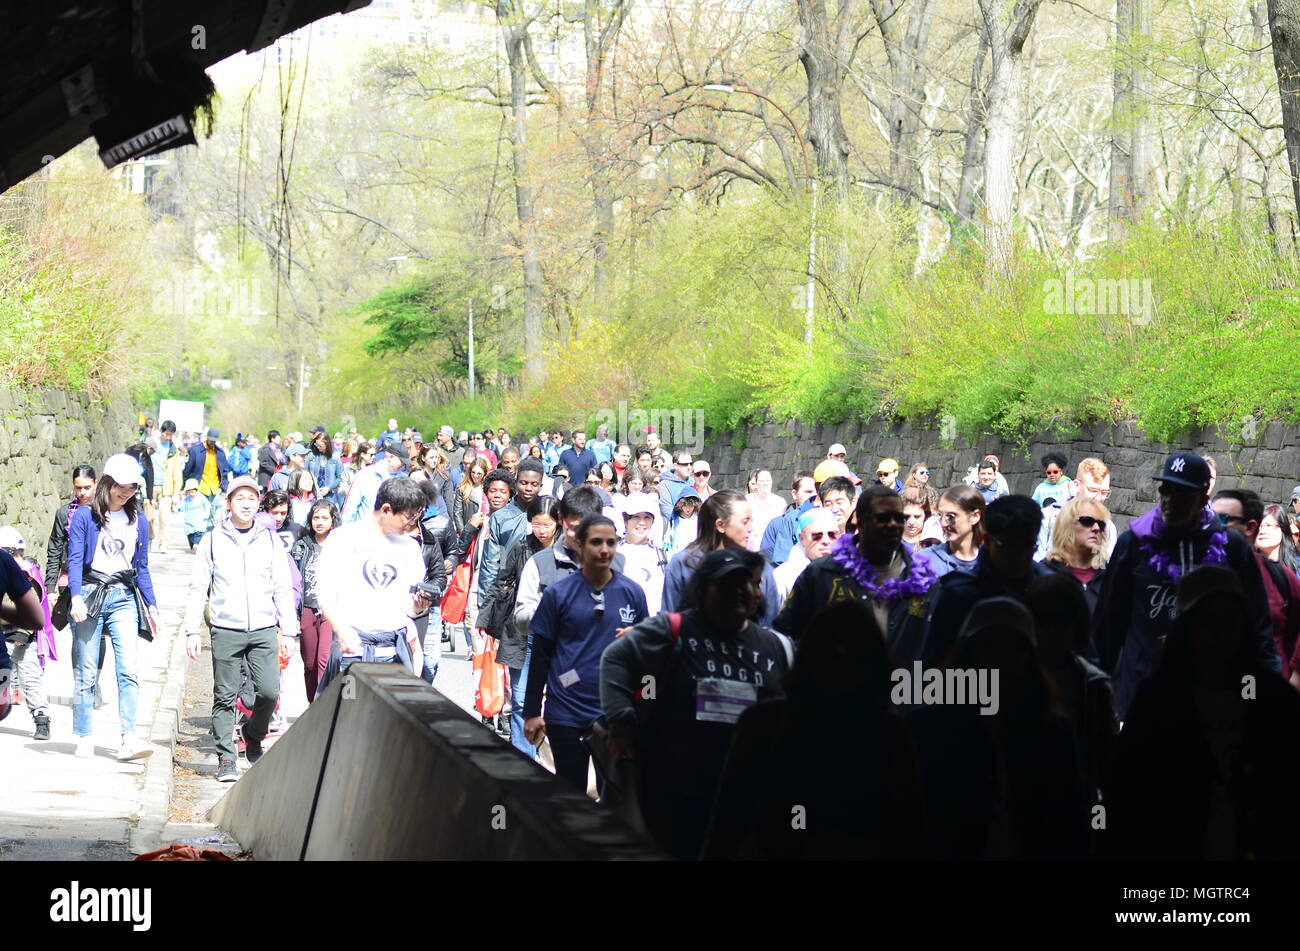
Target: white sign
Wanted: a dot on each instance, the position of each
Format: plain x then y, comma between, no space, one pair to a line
187,415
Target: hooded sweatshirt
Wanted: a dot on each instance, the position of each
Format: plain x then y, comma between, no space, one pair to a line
1136,608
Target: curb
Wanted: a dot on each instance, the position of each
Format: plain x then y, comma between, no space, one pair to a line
156,791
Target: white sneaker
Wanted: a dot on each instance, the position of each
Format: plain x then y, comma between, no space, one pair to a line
85,746
132,748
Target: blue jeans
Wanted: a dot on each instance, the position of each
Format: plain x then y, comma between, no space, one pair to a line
119,618
518,687
432,643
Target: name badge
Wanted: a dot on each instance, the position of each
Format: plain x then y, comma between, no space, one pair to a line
569,678
722,701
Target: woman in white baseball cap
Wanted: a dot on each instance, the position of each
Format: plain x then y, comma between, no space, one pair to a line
112,592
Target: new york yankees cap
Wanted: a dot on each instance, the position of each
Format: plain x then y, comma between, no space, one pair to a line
1186,469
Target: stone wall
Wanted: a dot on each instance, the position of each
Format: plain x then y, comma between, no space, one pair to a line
1270,464
43,435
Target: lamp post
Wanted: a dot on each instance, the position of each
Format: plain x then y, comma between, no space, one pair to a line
811,183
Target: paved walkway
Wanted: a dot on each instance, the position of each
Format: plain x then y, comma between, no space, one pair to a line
55,806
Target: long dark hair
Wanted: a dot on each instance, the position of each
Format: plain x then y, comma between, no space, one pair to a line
719,505
329,444
99,507
335,518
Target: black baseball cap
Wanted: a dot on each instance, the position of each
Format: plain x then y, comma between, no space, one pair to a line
397,449
726,562
1186,469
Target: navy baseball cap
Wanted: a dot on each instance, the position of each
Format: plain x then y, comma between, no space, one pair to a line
1186,469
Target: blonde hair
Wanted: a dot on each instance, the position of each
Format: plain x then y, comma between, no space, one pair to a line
1094,467
1062,546
467,481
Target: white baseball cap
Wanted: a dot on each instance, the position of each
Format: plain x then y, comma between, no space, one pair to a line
837,449
9,538
124,469
639,507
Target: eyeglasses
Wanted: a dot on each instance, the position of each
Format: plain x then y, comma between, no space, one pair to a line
1225,520
882,472
884,518
922,471
702,472
1053,471
832,535
948,518
1087,521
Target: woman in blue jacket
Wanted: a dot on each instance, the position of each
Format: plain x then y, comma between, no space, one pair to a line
108,578
327,470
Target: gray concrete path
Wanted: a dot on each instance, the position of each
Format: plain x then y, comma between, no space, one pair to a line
56,806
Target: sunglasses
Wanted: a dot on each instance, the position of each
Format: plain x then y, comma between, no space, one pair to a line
832,535
1053,471
702,472
922,471
884,518
599,598
1087,521
1225,520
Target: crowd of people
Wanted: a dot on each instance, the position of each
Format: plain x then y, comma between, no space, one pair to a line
705,650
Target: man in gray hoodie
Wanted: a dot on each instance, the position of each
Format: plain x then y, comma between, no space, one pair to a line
242,577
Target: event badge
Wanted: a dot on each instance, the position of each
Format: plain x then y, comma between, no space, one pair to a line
722,701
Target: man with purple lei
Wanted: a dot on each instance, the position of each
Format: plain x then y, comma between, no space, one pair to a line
1136,607
870,564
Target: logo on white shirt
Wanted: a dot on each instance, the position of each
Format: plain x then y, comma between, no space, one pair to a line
378,575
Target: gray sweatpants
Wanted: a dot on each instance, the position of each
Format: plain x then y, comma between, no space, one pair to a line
29,675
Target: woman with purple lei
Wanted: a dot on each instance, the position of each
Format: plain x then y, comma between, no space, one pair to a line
869,563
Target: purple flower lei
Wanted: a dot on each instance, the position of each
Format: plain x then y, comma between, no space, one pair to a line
1163,563
918,582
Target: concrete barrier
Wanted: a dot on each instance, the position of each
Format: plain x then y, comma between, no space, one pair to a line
383,766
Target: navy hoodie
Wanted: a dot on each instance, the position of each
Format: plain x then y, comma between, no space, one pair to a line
1136,608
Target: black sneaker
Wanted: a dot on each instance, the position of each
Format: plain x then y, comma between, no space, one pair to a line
490,723
253,750
503,727
228,771
42,727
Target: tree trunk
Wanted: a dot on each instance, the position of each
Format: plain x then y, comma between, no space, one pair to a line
1259,23
514,30
1130,147
825,77
1007,33
973,154
1284,25
907,96
599,35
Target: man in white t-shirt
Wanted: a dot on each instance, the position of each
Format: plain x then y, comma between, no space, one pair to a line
366,580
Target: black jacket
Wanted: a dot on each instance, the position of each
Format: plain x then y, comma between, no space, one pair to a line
1161,800
56,556
824,583
957,592
1136,610
497,612
266,464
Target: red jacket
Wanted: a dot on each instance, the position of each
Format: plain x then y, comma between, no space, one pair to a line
1284,610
